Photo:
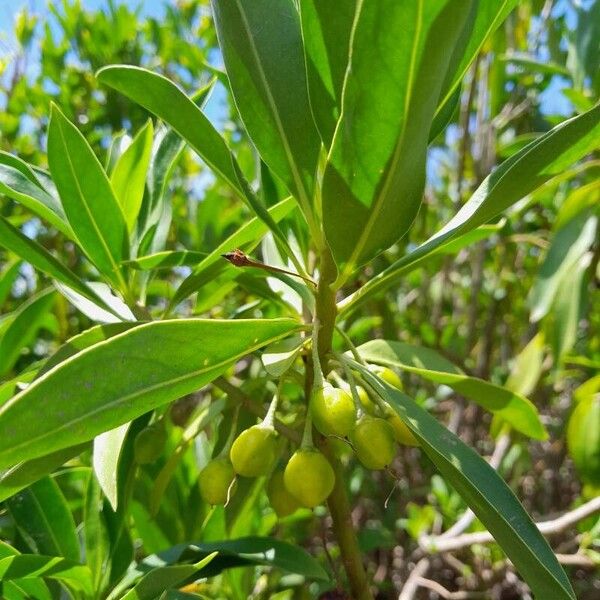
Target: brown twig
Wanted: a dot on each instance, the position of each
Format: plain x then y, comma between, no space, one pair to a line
239,259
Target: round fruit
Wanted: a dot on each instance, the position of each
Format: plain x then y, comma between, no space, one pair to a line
365,399
388,376
332,410
402,433
373,441
254,451
281,500
215,481
149,444
583,439
309,477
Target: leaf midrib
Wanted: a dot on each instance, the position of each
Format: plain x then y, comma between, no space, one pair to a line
374,208
84,201
132,395
274,110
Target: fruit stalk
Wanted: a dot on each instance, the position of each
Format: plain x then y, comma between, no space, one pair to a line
339,506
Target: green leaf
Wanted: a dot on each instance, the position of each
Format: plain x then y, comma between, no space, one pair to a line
19,182
105,460
485,492
244,551
527,367
25,473
262,48
163,578
567,248
521,174
150,365
22,589
375,174
28,318
326,29
486,16
8,276
245,238
167,260
164,99
512,407
36,255
280,356
68,571
42,515
87,197
128,178
97,545
567,307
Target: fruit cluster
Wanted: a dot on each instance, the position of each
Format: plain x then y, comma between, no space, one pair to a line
372,430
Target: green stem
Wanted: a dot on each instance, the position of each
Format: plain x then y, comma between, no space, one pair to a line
339,505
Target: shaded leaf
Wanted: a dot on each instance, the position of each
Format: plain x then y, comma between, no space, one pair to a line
512,407
87,197
485,492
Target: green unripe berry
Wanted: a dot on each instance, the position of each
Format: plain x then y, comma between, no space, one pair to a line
254,451
332,411
373,441
387,375
309,477
402,433
149,444
215,481
365,399
281,500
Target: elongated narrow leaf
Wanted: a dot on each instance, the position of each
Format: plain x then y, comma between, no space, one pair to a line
128,178
149,365
245,238
326,29
485,492
25,473
105,460
22,589
567,248
7,279
244,551
262,47
21,332
521,174
164,99
375,175
164,578
30,251
485,17
19,182
512,407
42,515
167,260
87,197
24,566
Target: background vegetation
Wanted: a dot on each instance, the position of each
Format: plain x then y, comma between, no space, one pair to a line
518,307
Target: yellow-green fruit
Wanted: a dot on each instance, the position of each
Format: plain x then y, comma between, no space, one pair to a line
254,451
583,439
281,500
402,434
373,441
332,411
309,477
215,481
387,375
149,444
365,399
